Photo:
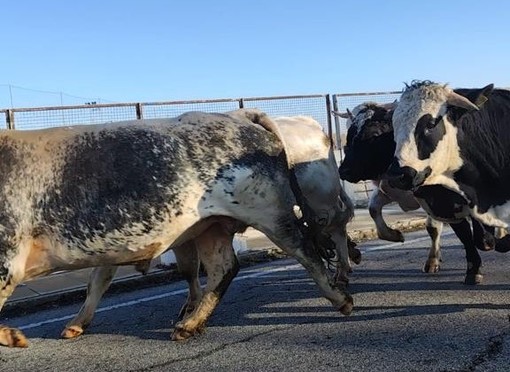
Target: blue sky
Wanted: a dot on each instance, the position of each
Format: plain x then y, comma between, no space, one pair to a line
154,50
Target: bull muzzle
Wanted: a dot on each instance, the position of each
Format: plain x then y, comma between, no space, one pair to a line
347,174
406,178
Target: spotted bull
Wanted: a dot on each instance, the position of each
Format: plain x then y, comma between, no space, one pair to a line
121,193
309,150
452,150
369,153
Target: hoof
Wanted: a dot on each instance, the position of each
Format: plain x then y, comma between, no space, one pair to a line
503,244
473,279
12,337
392,236
181,334
72,332
489,242
346,309
431,266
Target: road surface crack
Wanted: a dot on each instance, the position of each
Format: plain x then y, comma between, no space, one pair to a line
205,354
492,351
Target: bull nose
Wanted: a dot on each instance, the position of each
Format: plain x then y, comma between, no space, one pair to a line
346,174
401,177
343,172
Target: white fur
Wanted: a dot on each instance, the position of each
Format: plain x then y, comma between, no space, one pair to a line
360,119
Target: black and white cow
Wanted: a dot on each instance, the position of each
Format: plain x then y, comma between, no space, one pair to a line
453,152
121,193
309,150
369,152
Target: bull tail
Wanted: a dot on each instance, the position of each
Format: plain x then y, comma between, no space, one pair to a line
308,224
261,118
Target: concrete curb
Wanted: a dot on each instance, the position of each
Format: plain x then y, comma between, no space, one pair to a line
168,274
412,224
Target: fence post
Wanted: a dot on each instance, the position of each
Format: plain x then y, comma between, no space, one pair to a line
139,111
9,116
330,128
241,103
337,125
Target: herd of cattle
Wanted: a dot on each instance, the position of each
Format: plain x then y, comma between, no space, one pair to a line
123,193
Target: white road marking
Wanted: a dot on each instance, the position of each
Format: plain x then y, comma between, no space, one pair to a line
399,245
155,297
243,277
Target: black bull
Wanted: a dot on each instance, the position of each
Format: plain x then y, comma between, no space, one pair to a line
122,193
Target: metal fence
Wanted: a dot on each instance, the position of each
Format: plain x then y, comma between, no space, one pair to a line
318,106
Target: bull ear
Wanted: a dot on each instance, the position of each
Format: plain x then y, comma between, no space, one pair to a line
482,95
456,100
477,96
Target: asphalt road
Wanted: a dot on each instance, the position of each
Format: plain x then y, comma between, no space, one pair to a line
274,319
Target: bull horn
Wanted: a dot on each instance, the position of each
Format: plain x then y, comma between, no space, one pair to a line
390,106
351,116
343,115
455,99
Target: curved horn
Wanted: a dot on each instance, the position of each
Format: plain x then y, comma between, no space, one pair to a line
351,116
455,99
343,115
390,106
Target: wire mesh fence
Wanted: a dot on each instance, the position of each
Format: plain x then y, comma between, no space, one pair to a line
316,106
40,118
172,109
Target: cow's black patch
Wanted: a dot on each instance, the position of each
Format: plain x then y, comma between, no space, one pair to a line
443,203
429,131
484,139
114,179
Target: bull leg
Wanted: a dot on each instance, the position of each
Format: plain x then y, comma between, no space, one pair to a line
483,236
343,265
377,201
434,228
11,337
474,262
313,263
217,254
354,253
99,281
345,247
287,238
188,264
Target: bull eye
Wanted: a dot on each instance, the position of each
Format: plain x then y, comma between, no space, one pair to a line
432,123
